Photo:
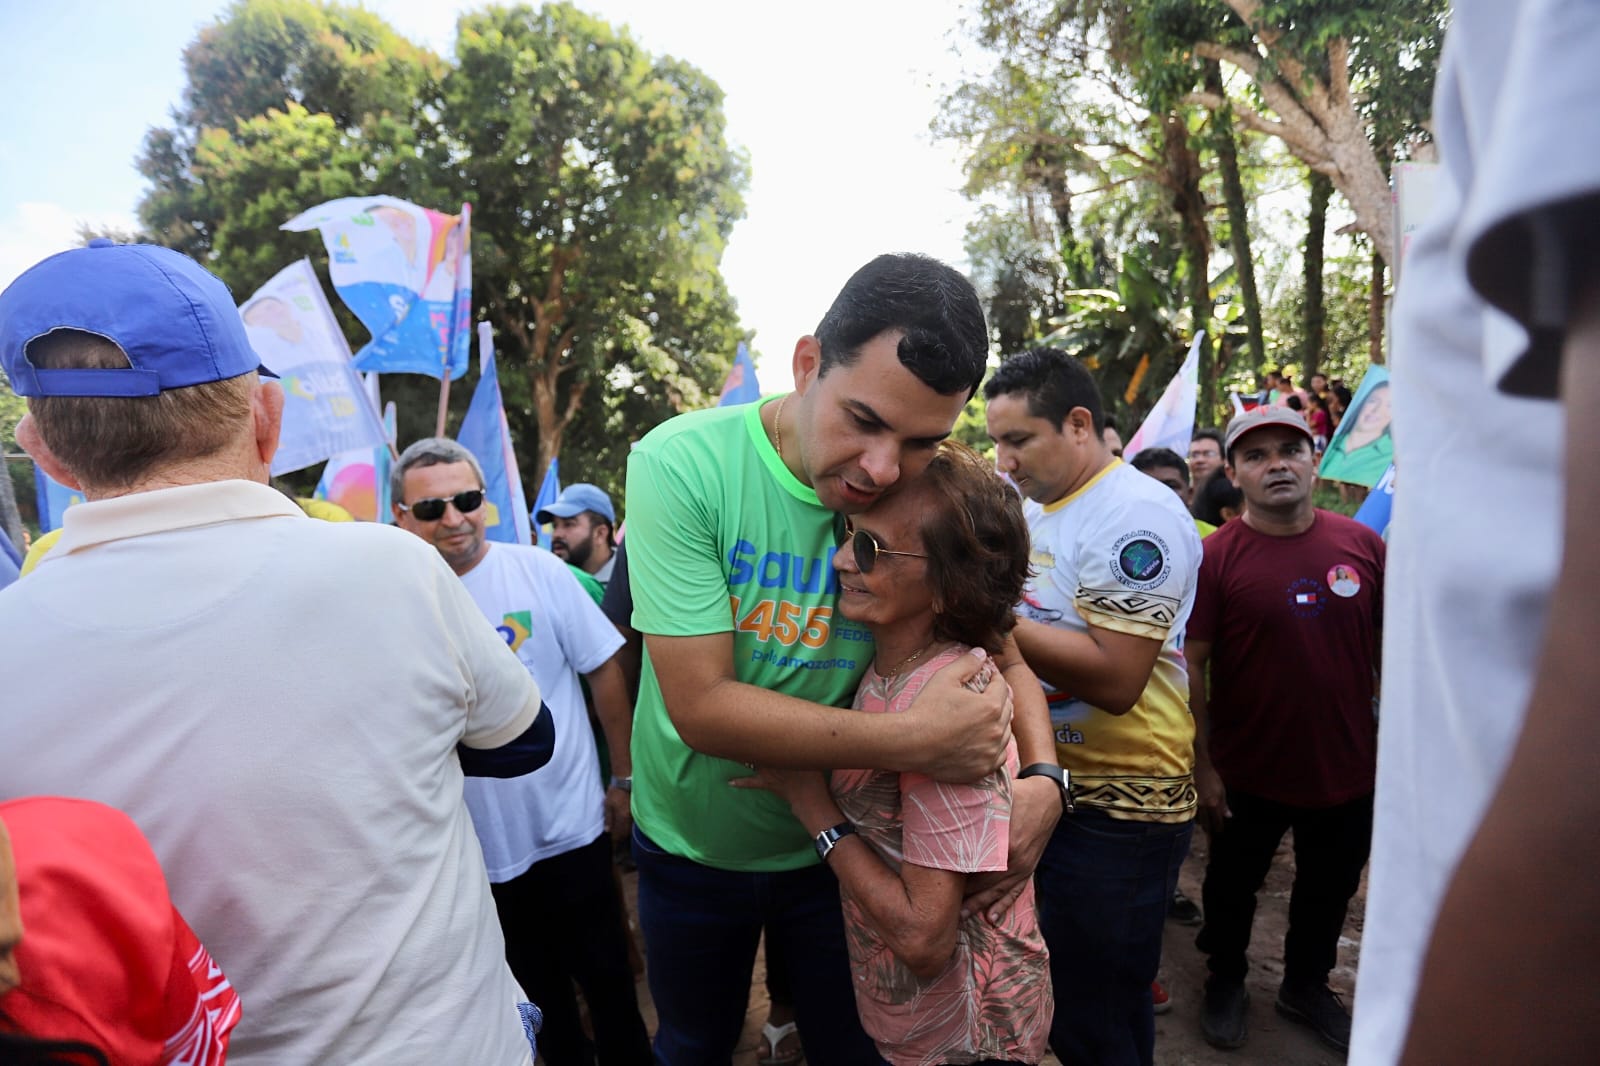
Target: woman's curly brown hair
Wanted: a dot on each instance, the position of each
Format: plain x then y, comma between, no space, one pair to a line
977,545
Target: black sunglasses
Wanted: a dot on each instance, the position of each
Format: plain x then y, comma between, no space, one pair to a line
432,508
867,549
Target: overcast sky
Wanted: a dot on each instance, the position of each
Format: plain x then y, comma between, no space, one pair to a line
831,102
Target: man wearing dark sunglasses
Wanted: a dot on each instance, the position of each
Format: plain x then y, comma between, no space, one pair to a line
734,516
546,836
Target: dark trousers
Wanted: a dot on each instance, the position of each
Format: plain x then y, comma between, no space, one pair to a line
1103,889
1330,849
563,922
701,926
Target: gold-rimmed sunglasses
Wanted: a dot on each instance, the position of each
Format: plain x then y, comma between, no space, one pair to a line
867,549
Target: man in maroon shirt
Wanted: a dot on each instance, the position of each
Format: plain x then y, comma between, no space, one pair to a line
1287,616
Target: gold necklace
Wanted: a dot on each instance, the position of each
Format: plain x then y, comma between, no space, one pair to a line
777,425
898,667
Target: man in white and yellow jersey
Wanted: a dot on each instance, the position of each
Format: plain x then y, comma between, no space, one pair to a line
1115,558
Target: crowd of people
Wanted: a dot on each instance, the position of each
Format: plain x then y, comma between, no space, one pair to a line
937,729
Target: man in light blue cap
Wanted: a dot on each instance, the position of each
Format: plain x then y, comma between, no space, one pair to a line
583,529
277,702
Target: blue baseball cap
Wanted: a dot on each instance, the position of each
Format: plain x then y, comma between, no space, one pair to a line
174,319
576,498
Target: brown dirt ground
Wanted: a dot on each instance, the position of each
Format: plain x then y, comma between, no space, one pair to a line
1274,1041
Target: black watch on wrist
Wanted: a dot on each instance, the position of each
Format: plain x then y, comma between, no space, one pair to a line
829,838
1056,774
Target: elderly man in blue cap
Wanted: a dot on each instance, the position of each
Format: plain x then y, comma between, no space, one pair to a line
277,702
583,529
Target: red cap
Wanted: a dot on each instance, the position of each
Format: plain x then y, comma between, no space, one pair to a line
105,958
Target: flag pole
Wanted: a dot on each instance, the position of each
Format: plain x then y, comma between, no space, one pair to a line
444,399
444,378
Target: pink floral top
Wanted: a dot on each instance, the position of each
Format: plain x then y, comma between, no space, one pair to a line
992,1001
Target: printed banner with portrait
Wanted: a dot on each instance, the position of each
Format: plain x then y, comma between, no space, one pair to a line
326,409
1362,447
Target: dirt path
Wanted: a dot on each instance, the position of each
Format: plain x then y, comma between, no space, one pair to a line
1274,1041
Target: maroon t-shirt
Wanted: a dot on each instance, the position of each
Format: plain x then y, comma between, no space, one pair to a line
1293,624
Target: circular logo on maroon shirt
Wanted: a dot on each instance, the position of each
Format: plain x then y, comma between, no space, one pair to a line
1306,598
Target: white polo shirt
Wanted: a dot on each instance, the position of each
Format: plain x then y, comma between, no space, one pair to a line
276,701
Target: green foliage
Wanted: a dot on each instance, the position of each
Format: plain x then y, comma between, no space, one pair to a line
335,59
1070,140
1393,54
1339,498
606,195
972,428
1142,323
602,185
1345,282
12,408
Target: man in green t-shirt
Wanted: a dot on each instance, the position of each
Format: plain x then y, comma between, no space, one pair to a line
734,518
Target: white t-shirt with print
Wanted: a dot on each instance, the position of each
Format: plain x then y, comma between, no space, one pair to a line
1121,554
554,627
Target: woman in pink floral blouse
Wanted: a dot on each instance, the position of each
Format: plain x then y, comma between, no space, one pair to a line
932,572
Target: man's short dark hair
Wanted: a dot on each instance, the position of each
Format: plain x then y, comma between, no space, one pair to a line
944,340
430,451
1149,459
1207,434
1054,383
598,519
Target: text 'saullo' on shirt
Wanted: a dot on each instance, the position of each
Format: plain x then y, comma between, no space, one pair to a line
783,600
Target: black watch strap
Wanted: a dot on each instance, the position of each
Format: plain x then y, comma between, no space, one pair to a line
829,838
1054,773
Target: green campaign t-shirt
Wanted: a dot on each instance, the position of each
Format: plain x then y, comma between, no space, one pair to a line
595,590
723,538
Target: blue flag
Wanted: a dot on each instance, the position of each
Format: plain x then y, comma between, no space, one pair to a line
10,557
741,386
406,272
1379,506
549,490
54,499
486,435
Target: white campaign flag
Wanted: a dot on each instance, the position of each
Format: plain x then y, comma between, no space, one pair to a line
1171,423
326,409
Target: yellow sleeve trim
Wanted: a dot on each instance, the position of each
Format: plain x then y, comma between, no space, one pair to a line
1132,627
1051,508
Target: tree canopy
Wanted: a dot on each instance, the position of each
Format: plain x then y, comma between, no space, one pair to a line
602,183
1127,154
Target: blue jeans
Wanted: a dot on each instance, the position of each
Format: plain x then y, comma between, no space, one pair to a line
1103,889
700,928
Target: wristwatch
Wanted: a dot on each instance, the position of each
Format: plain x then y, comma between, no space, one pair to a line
1056,774
624,783
829,838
